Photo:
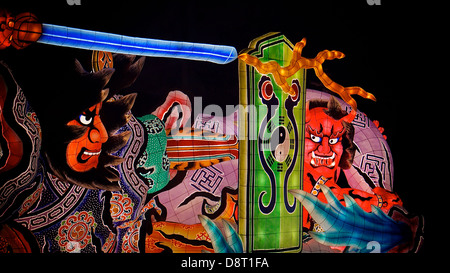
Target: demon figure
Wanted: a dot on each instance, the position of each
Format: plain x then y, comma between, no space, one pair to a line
78,127
329,148
63,129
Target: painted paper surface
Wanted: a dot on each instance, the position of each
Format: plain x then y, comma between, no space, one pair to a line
104,152
271,152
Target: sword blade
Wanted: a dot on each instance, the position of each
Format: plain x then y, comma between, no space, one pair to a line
102,41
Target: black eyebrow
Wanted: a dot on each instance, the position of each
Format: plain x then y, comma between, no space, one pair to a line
89,113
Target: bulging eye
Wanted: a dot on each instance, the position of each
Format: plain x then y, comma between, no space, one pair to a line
333,140
84,119
316,139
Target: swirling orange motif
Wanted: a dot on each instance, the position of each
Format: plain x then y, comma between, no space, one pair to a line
281,74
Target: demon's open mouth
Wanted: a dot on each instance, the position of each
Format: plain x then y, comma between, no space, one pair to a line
85,154
327,161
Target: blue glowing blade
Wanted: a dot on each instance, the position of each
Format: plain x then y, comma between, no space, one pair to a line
102,41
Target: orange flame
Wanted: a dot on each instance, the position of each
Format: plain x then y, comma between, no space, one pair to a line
281,74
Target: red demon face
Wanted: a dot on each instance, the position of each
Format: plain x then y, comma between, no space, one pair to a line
323,142
82,153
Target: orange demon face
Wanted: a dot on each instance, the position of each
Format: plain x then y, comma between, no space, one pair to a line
323,143
82,153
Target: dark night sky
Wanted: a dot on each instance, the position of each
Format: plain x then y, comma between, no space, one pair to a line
379,43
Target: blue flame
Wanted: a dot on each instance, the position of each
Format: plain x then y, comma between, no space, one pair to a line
350,225
230,243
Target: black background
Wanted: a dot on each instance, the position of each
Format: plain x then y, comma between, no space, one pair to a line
381,44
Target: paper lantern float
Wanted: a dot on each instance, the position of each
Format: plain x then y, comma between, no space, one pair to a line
270,220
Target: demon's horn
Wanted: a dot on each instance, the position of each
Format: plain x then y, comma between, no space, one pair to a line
350,117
